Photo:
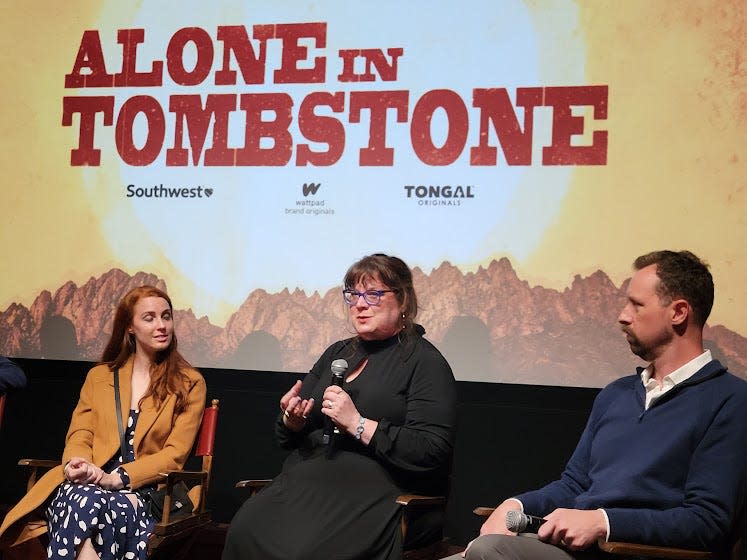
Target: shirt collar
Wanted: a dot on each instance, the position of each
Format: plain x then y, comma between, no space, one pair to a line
682,373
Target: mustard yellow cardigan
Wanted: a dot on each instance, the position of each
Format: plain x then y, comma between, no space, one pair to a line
162,442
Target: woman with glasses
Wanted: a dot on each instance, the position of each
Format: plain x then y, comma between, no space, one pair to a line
385,428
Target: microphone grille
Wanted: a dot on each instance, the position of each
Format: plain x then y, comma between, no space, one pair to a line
339,367
516,521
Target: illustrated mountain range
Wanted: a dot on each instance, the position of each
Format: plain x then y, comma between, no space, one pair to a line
491,326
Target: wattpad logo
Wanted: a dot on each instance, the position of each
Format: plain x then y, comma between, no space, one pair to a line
310,188
310,206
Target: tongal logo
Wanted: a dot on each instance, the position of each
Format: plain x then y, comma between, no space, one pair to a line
439,195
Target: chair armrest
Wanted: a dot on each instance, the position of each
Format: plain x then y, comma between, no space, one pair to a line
172,477
649,551
255,485
414,500
39,463
35,465
483,511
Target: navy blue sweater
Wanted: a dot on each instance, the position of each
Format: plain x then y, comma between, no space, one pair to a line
11,376
672,475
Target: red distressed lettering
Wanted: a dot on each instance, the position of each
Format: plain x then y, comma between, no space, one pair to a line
129,76
377,102
188,111
175,56
87,108
235,40
293,53
420,128
565,125
323,129
374,58
256,129
151,109
90,57
496,108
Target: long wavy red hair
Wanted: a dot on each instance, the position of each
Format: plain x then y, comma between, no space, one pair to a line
166,375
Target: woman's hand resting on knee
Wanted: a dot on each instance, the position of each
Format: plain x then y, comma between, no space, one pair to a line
81,471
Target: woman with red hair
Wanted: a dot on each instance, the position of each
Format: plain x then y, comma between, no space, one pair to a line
94,500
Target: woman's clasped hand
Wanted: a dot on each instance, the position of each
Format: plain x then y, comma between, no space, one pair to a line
80,471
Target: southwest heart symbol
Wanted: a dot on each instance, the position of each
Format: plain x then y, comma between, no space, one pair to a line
209,192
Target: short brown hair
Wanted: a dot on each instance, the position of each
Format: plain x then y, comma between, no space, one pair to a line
682,275
397,276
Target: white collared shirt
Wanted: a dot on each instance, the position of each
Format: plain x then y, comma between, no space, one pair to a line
654,390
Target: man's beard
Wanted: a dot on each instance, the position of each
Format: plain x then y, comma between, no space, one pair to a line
644,352
650,350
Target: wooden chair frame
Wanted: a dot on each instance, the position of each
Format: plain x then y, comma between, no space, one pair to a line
2,408
175,530
168,532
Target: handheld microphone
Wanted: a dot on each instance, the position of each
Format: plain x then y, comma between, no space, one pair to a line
520,522
339,367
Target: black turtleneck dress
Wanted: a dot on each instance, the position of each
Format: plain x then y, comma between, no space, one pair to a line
338,503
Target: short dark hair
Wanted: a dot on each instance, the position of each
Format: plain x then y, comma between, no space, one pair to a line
397,276
682,275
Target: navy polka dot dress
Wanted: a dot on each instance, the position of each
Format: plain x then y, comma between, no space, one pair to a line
86,511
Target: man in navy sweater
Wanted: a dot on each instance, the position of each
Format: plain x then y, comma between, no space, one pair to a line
11,376
663,457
